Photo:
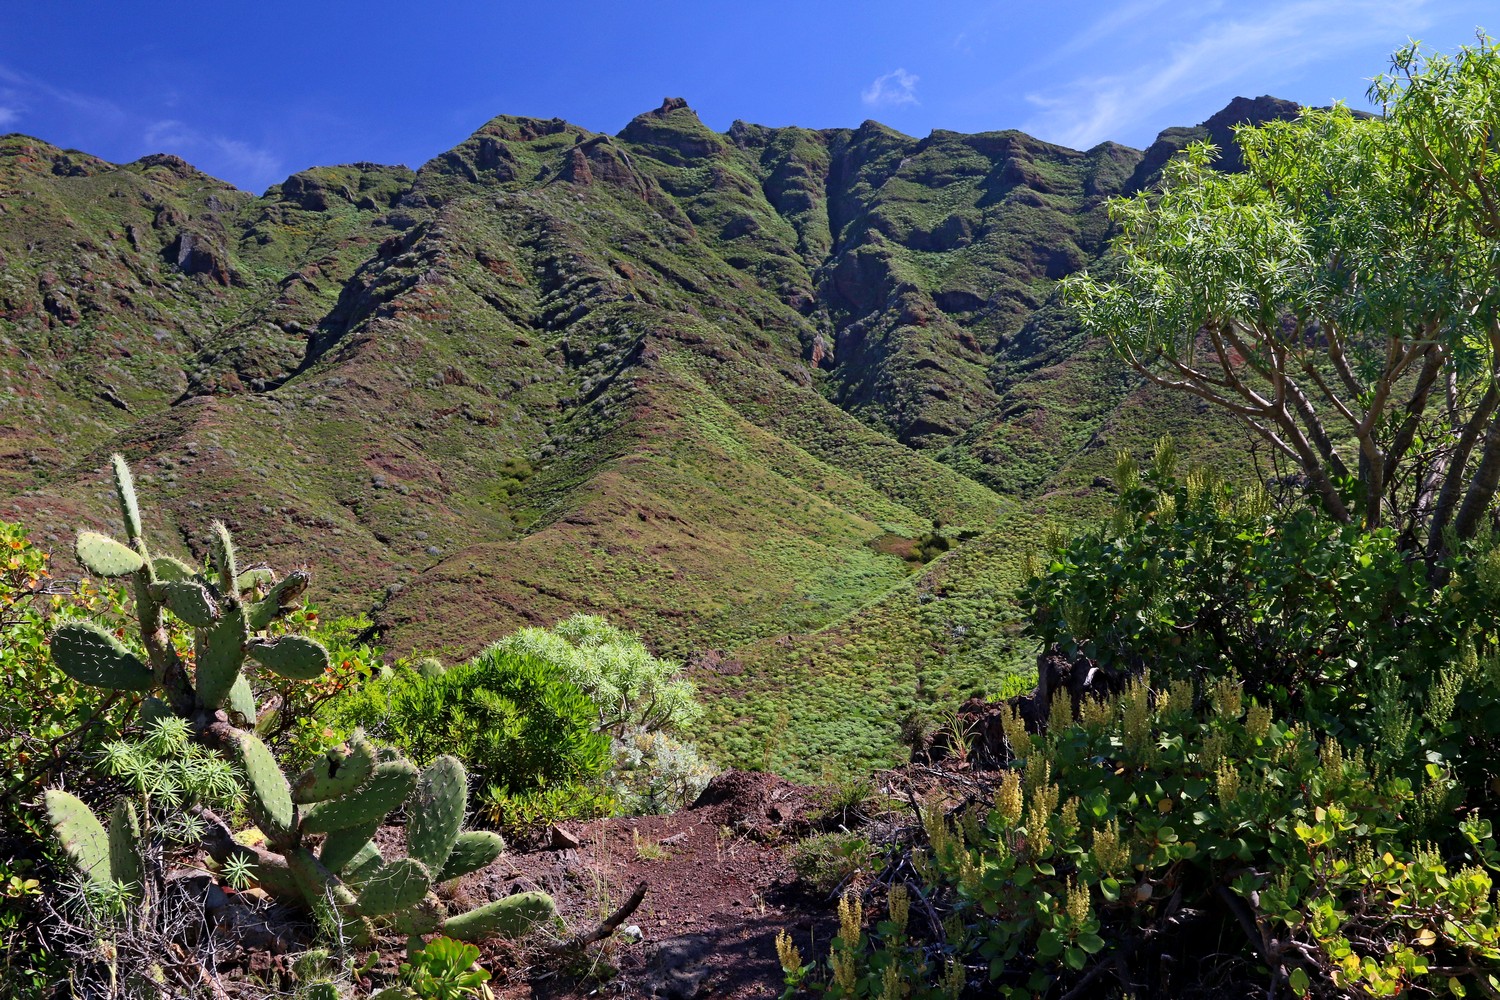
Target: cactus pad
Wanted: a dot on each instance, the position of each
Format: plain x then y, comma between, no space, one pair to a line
270,800
260,576
221,554
328,898
87,653
125,845
336,773
400,884
389,785
103,556
154,710
512,917
342,846
241,702
282,596
366,862
171,568
81,833
423,918
130,511
221,653
187,600
272,874
431,666
471,851
294,656
437,811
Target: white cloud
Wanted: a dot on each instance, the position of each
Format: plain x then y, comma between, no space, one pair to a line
1219,47
135,134
241,158
893,90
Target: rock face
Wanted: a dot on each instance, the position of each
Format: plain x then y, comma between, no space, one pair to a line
683,378
1219,130
196,255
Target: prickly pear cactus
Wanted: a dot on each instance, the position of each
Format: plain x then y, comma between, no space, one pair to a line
105,856
344,797
437,811
90,655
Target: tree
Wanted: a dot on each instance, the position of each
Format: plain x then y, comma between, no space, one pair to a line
1339,295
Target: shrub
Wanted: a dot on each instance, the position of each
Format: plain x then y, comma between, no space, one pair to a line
514,719
630,687
1297,853
642,702
829,861
520,814
303,725
51,726
654,772
1326,622
51,729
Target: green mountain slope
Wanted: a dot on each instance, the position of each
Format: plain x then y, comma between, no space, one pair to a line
729,390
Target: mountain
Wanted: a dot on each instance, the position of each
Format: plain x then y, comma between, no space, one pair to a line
792,403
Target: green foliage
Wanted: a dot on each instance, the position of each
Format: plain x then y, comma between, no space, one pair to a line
1327,621
170,774
828,862
170,768
1102,828
47,719
524,812
1338,295
445,969
23,963
644,704
305,721
513,718
630,687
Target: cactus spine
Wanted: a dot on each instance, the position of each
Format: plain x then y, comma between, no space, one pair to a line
344,796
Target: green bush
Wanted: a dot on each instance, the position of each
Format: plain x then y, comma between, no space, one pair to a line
52,729
643,703
1106,830
522,814
829,861
1330,623
513,719
631,687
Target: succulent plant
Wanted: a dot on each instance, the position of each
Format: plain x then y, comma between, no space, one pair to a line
105,856
344,796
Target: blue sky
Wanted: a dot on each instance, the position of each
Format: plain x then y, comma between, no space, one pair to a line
254,92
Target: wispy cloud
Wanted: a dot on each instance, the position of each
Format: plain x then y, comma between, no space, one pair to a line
134,133
892,90
232,155
1218,47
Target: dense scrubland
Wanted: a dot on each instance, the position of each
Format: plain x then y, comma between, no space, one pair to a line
1106,540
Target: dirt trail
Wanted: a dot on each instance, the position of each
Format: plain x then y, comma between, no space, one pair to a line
718,889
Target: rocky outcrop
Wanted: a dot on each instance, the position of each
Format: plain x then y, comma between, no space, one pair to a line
1218,129
194,254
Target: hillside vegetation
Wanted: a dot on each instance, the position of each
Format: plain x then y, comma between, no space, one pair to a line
723,389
